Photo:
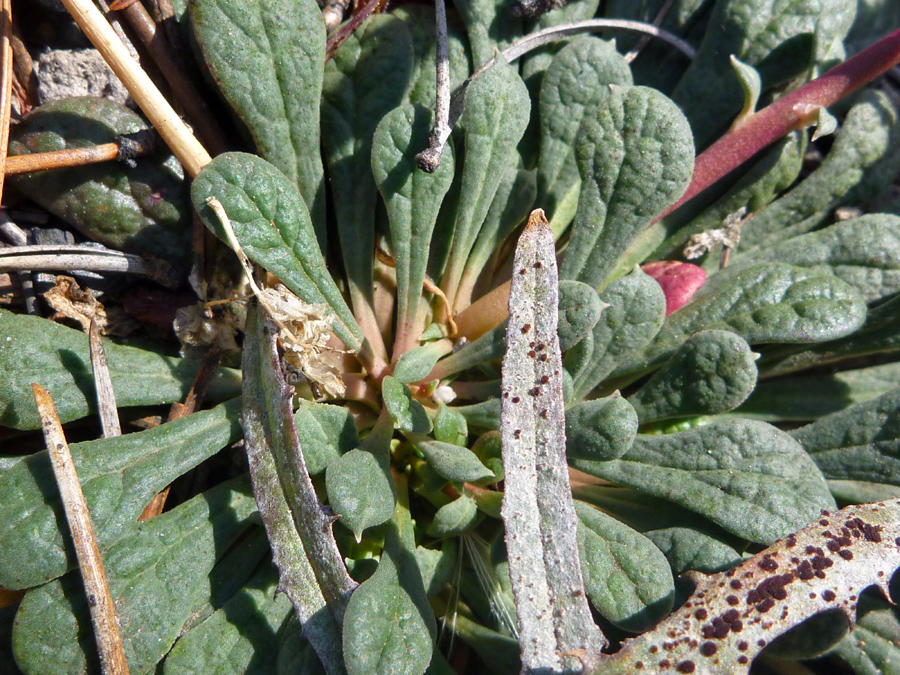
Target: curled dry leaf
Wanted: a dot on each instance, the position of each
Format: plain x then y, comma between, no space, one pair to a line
728,236
304,333
201,326
72,302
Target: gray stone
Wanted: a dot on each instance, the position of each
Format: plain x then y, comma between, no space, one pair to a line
63,73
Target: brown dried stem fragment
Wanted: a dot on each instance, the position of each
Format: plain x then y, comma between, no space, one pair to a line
106,397
192,155
6,80
100,602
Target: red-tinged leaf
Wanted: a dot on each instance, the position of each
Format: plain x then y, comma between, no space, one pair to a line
679,281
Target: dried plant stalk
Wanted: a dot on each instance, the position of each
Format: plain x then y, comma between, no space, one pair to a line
100,602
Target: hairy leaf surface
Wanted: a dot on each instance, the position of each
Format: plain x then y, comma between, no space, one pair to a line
36,350
163,568
118,475
626,577
748,477
712,372
272,225
267,58
635,156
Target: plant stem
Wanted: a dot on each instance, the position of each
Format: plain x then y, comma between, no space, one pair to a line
795,110
106,397
77,257
430,159
179,138
90,562
6,80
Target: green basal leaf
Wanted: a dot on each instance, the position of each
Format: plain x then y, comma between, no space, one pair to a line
36,350
484,415
711,372
408,414
748,477
860,443
637,308
751,30
495,113
812,638
809,397
879,335
389,626
119,477
874,20
601,429
450,426
267,58
455,518
626,577
536,63
143,210
511,205
864,252
862,492
272,225
437,566
414,365
770,302
360,490
500,652
165,568
659,66
688,548
872,648
454,462
413,198
859,165
576,81
328,431
635,156
296,654
489,347
579,312
241,637
367,78
490,26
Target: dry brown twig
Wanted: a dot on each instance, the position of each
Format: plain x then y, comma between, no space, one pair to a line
100,602
106,397
192,155
6,80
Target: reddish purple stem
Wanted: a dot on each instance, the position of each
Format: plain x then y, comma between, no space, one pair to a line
795,110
